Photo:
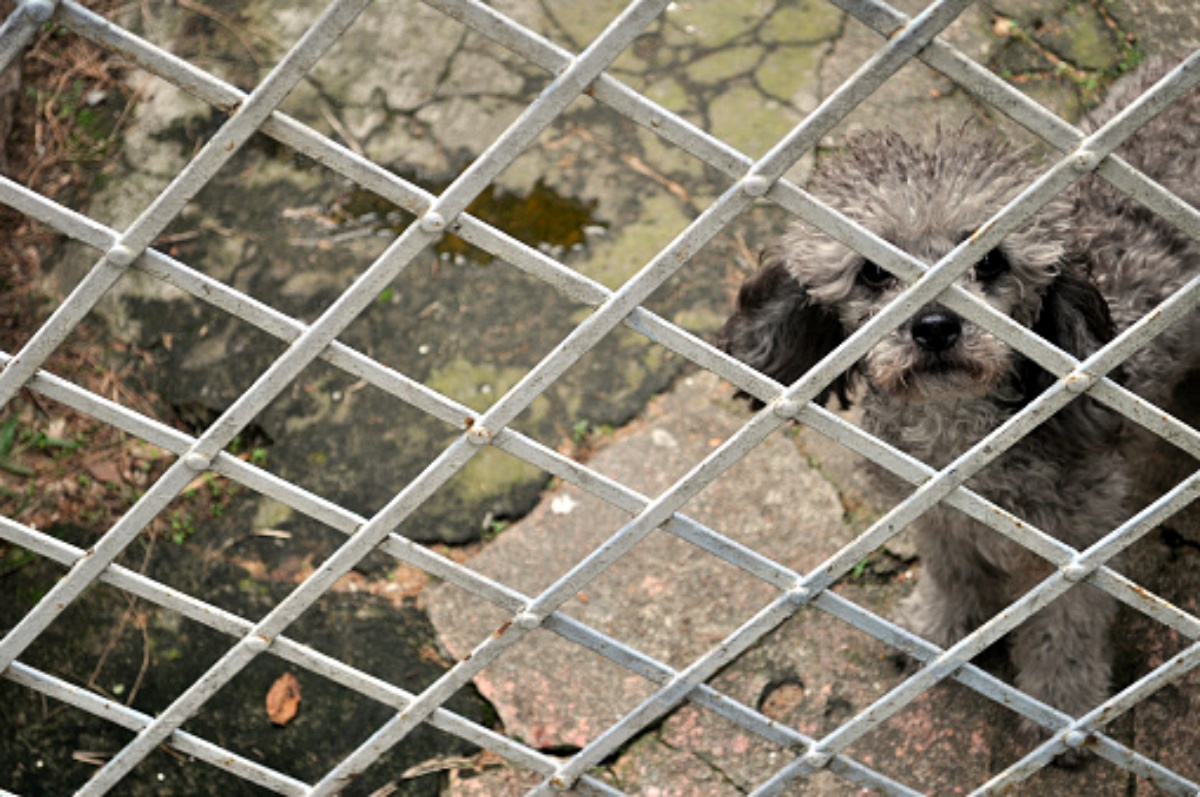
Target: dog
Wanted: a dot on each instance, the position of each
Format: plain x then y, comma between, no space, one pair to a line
1087,265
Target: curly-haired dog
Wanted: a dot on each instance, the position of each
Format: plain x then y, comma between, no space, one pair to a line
1090,263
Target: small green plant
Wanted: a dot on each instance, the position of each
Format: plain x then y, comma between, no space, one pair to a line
494,528
14,559
8,439
258,456
43,442
580,431
182,526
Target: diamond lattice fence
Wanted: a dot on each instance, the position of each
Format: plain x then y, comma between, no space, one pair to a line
749,182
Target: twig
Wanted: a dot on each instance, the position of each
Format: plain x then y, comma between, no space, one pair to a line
338,127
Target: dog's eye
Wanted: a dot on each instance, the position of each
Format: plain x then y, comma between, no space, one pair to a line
873,276
993,264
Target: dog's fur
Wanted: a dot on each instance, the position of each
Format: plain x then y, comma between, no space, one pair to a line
1090,263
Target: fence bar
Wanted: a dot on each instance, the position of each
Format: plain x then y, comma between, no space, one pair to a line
991,631
1171,670
403,549
469,431
21,26
184,742
990,89
310,344
580,288
19,369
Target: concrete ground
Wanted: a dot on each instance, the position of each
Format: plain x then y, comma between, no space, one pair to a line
285,230
797,499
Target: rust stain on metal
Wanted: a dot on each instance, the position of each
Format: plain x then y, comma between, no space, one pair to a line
468,422
500,631
980,232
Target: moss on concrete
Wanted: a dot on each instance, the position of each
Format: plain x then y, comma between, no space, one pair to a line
807,21
626,250
743,118
787,70
723,65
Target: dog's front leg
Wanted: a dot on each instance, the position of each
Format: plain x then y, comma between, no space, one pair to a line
1062,653
959,589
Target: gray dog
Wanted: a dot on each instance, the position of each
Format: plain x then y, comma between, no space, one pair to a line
1089,264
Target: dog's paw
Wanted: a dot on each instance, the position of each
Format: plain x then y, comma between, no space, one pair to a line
1071,758
1032,735
903,663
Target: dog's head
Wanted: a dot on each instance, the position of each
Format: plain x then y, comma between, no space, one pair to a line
811,291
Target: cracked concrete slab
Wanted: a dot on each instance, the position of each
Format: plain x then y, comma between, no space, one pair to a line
290,233
795,500
666,597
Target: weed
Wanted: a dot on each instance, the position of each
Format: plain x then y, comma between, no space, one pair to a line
8,438
182,526
14,559
494,528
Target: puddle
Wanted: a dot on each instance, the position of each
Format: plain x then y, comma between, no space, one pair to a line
543,218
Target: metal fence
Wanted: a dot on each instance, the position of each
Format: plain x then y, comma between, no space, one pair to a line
749,181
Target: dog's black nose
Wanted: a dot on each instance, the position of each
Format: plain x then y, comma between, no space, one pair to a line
936,331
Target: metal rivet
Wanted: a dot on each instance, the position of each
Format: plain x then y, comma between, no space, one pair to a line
785,408
799,595
755,185
258,643
527,621
197,461
1074,739
1079,381
38,10
120,255
433,222
1085,160
817,759
1075,572
479,435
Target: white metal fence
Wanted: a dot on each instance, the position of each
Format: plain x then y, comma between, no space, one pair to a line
749,181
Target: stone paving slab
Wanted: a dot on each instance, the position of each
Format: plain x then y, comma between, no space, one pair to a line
796,499
668,598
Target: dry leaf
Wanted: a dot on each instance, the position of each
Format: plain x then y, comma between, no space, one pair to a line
283,699
438,765
105,471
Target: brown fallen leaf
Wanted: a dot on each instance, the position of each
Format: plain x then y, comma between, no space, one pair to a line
283,699
105,470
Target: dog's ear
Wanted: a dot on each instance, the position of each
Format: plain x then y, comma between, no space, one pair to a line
1075,317
777,329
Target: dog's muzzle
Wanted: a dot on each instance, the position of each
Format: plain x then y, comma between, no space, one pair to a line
936,330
